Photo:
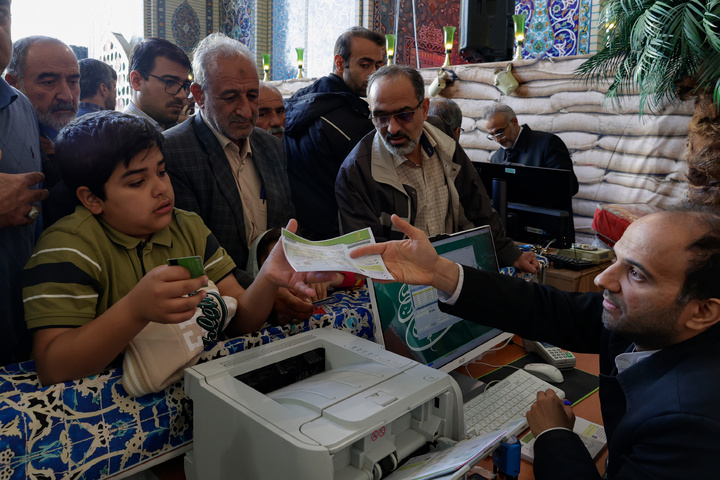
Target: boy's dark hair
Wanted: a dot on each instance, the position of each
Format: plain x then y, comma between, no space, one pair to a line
90,147
144,54
92,74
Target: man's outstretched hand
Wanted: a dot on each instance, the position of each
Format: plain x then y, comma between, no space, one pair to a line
413,260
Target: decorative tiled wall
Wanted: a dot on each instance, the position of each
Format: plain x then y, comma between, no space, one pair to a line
183,22
618,156
237,19
554,28
186,22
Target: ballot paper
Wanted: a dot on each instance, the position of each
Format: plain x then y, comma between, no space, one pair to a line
454,461
333,255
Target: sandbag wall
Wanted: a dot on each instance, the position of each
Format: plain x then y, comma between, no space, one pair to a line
619,156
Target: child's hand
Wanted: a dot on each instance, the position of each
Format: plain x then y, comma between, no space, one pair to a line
321,289
160,295
278,271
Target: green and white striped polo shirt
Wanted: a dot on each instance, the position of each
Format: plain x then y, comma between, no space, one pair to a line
81,265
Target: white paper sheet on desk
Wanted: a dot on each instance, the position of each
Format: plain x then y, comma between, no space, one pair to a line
461,456
333,255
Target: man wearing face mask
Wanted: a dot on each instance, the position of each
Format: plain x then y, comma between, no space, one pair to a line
411,167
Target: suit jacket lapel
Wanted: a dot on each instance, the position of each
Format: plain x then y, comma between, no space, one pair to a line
223,173
521,145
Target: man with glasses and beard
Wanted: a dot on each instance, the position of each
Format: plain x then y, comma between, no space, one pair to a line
411,167
520,144
159,77
227,170
46,71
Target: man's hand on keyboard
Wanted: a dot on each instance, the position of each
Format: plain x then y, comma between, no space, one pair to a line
549,412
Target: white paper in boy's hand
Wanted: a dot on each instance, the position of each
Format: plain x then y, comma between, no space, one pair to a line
333,255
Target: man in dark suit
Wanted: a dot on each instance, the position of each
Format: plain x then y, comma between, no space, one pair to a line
520,144
223,167
656,328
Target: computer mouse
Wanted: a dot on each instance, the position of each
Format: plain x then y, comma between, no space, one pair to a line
545,371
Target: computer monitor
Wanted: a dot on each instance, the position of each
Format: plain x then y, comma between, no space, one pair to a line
534,203
411,323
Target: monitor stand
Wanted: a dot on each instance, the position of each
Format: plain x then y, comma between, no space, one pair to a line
469,386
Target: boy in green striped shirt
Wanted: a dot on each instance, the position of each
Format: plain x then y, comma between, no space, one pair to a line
98,277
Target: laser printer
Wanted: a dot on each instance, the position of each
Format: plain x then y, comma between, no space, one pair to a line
319,405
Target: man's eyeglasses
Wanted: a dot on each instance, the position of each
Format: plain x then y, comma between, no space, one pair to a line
171,86
403,117
499,134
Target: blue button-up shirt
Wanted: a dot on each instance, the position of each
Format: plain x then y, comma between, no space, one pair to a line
20,146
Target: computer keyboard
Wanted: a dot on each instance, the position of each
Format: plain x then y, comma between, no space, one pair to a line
503,402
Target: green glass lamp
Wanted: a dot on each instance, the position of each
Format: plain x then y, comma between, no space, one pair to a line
390,47
300,56
449,34
266,66
519,22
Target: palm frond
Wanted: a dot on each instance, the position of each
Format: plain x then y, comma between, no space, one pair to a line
650,45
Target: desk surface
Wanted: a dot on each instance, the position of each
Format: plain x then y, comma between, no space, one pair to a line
588,409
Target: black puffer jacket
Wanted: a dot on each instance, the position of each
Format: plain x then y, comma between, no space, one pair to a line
324,122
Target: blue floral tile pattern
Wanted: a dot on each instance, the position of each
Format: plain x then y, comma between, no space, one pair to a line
553,28
186,27
237,20
91,429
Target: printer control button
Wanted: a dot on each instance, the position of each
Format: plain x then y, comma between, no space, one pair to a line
431,378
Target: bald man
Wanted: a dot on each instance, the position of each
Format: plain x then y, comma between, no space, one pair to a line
656,328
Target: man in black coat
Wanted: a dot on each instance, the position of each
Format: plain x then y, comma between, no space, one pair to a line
656,328
324,121
521,144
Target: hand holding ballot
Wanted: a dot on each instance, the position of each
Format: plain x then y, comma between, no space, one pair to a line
333,255
413,260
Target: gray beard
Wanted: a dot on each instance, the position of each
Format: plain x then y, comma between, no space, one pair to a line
400,151
53,122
